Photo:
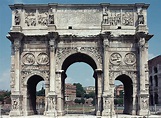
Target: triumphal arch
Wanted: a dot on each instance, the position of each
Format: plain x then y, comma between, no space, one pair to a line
47,38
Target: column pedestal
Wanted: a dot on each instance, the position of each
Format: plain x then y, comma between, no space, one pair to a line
16,105
143,101
51,105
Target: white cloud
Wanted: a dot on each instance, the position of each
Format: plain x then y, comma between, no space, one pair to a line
5,80
150,56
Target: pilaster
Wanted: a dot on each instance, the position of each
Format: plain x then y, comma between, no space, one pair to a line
52,43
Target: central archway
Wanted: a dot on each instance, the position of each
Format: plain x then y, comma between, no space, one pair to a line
79,57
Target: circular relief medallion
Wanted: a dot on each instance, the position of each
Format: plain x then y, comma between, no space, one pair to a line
28,59
115,58
130,58
42,58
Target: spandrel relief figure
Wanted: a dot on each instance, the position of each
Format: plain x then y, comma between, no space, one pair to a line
17,18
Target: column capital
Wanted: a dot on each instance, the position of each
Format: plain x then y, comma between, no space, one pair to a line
52,35
59,71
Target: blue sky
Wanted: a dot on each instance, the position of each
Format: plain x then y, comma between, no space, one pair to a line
154,25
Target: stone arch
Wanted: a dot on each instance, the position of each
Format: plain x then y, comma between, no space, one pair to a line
92,52
31,82
79,57
127,92
131,74
37,74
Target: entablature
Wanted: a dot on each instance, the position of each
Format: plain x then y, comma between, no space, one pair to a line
79,19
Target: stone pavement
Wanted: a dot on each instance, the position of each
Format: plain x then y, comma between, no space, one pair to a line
85,116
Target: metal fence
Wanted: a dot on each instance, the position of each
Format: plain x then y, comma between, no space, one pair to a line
155,109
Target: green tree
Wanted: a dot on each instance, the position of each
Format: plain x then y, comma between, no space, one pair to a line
80,92
41,92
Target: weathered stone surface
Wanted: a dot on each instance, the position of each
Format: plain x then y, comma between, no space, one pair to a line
47,39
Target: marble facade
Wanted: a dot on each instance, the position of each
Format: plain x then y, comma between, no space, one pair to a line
47,38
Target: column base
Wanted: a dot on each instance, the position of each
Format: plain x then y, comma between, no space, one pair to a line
98,113
60,113
133,112
15,113
28,113
143,112
108,113
50,113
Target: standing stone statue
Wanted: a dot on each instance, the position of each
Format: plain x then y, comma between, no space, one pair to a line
17,18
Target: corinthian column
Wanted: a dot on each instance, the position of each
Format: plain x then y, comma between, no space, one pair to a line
16,97
16,37
106,64
142,61
52,44
143,97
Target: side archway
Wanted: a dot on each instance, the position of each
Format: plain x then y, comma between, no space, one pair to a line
127,93
31,93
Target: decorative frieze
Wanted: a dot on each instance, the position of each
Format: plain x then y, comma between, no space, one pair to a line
42,17
117,17
30,17
39,58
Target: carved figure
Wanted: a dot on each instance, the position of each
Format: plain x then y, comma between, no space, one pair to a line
115,58
15,104
17,18
51,19
130,58
30,18
29,59
43,58
142,42
141,18
107,104
144,104
42,20
127,18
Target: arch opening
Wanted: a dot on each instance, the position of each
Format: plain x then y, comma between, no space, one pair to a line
79,69
32,93
126,93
